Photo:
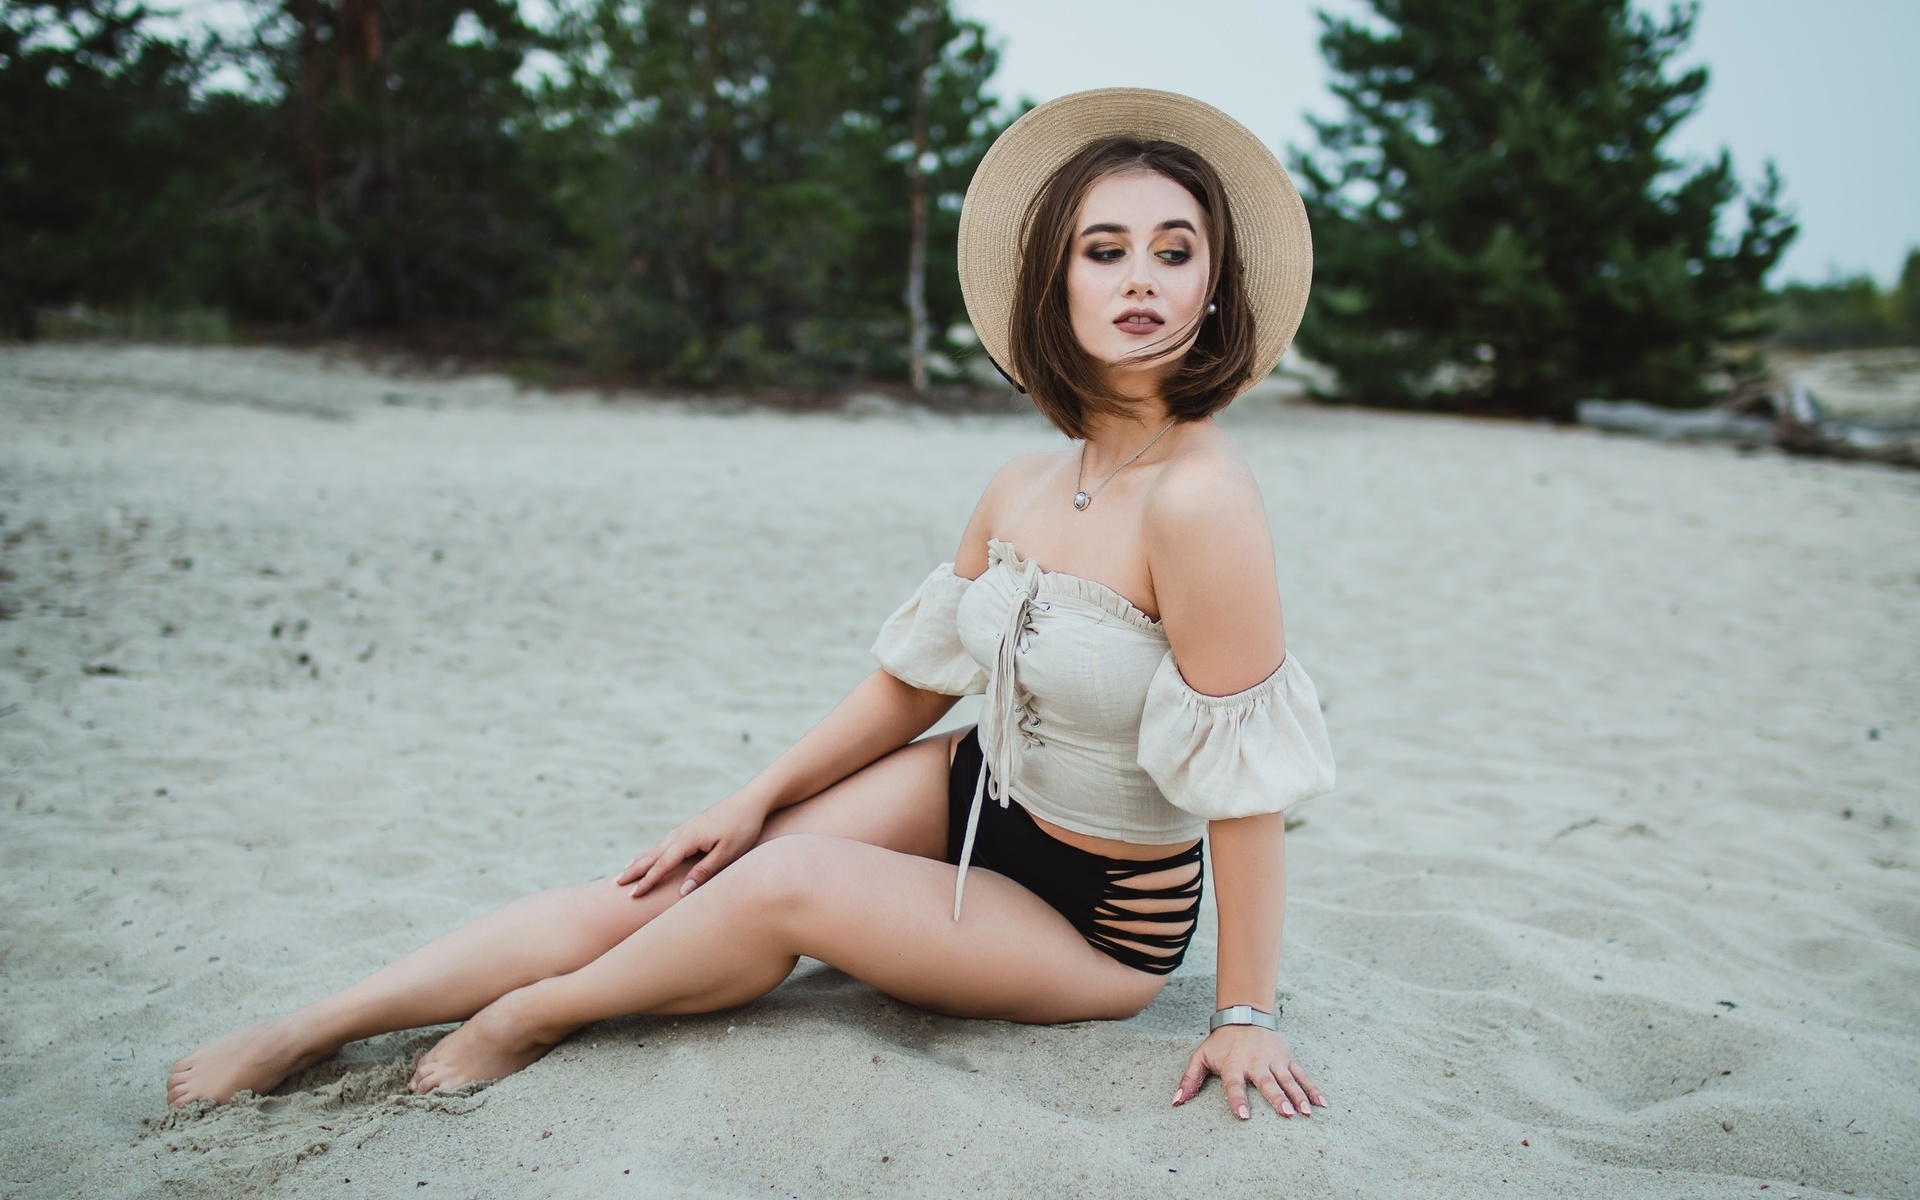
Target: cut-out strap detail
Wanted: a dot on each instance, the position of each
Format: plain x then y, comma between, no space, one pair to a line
1115,926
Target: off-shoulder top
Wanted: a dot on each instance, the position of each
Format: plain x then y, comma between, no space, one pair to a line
1088,722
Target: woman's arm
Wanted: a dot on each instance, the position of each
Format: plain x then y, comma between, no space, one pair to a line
1211,556
1250,890
878,717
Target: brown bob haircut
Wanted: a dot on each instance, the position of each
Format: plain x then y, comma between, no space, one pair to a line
1067,383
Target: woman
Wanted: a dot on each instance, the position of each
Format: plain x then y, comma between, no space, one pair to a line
1045,867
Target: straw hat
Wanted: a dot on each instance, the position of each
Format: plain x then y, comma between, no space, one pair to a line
1276,249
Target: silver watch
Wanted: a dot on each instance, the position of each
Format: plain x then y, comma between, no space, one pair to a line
1245,1014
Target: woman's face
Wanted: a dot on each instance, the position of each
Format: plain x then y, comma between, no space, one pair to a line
1137,274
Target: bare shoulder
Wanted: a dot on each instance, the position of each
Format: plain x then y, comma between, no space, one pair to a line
1005,491
1210,554
1207,498
1020,473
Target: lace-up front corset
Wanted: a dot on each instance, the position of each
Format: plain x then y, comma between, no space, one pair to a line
1087,721
1071,661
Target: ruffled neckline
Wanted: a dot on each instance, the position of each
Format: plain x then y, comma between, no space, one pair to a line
1060,583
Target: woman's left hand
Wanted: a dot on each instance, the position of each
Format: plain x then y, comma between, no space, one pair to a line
1243,1054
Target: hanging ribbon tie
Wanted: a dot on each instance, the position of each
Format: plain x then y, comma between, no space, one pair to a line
1005,722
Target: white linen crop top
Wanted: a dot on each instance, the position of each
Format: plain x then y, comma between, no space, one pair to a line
1088,722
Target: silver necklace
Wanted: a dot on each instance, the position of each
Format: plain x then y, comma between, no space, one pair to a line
1082,497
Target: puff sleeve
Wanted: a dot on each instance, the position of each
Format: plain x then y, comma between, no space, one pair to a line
920,643
1263,750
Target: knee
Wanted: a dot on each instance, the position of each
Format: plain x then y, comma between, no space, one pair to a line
601,909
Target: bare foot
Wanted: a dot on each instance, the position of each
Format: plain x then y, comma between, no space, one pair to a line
252,1059
500,1039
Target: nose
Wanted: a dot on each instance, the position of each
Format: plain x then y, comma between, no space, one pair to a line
1140,281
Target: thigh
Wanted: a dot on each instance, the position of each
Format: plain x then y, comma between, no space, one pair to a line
887,918
898,802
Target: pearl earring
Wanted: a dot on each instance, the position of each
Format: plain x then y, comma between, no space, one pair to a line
1212,308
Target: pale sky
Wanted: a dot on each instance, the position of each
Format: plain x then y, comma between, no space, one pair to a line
1827,89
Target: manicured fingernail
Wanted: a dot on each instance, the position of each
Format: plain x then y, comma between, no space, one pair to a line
1177,1095
1245,1112
1286,1109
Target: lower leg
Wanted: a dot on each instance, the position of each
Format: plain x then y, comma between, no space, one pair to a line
724,945
449,979
454,976
556,932
897,802
881,916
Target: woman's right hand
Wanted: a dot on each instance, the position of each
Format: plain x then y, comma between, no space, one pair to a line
716,837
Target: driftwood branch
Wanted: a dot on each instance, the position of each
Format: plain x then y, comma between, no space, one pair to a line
1785,416
1667,424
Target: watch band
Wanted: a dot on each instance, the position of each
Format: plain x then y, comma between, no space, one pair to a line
1245,1014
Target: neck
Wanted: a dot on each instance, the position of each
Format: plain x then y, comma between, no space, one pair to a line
1113,439
1125,432
1145,413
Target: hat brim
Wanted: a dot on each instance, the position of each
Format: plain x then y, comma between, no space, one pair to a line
1269,221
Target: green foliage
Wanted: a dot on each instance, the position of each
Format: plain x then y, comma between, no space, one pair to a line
1908,312
703,191
106,165
1850,314
751,220
1497,227
401,184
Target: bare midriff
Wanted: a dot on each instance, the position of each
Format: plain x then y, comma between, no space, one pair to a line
1109,847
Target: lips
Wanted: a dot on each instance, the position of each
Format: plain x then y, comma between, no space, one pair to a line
1139,321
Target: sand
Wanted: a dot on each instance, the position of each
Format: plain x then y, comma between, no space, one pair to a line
306,663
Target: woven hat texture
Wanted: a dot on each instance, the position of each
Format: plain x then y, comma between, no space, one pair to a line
1276,248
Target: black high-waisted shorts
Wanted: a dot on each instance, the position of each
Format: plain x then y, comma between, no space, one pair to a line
1146,927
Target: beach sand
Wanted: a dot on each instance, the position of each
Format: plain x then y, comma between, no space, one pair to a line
306,664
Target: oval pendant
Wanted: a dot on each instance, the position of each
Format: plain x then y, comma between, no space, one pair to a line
1081,500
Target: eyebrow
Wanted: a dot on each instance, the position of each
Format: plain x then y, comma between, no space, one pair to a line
1109,227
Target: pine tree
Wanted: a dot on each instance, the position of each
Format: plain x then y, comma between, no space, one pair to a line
402,188
1497,226
107,161
742,176
1907,302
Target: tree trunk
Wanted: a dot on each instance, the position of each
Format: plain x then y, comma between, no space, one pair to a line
916,172
719,187
306,107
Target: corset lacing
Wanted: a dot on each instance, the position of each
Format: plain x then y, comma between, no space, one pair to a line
1007,714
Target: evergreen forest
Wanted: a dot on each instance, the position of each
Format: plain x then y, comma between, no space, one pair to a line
765,193
696,191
